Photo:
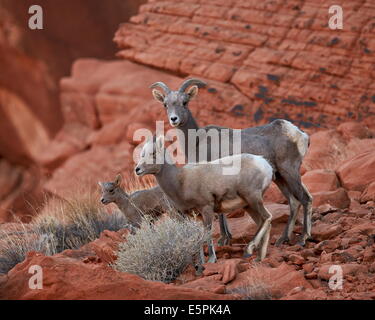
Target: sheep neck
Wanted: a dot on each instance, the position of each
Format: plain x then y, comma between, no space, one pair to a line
123,201
190,124
167,179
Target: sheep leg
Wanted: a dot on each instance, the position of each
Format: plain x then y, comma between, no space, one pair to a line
258,221
300,192
288,231
207,214
294,206
226,236
201,261
307,213
266,217
262,249
261,254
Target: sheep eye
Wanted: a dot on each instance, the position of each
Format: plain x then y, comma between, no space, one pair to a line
165,105
111,191
185,103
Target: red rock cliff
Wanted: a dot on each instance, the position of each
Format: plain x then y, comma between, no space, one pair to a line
280,55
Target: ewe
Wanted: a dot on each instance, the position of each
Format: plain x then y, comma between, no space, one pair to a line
206,188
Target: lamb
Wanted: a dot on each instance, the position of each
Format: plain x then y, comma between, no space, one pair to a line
203,187
152,202
280,142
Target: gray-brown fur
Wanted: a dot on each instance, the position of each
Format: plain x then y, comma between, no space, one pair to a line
280,142
151,201
203,187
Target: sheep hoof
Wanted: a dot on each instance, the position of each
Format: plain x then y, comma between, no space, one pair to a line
212,260
224,241
246,255
282,240
302,243
199,270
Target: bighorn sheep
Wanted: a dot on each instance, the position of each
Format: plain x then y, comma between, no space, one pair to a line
149,201
280,142
205,188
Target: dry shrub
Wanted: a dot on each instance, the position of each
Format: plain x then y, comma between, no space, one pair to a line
64,224
161,252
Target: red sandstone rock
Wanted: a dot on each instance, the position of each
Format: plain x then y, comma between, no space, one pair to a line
85,169
357,172
104,102
354,130
273,194
211,284
279,281
369,193
326,150
337,199
347,269
66,278
227,268
72,139
227,42
323,231
106,246
296,259
327,245
320,180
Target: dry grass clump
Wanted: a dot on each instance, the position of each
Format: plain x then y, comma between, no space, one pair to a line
255,288
161,252
253,291
64,224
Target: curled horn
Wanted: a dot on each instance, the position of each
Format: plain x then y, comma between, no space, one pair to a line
189,82
161,85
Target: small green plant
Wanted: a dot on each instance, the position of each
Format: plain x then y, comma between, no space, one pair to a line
162,251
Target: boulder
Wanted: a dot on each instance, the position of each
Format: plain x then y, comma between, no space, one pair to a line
320,180
337,198
322,231
369,193
357,172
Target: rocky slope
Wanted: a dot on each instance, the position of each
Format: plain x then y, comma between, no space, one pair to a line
261,60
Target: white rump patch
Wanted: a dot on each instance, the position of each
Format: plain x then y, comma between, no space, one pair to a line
300,138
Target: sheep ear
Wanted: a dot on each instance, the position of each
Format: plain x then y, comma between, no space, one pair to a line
192,92
158,95
159,143
118,179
